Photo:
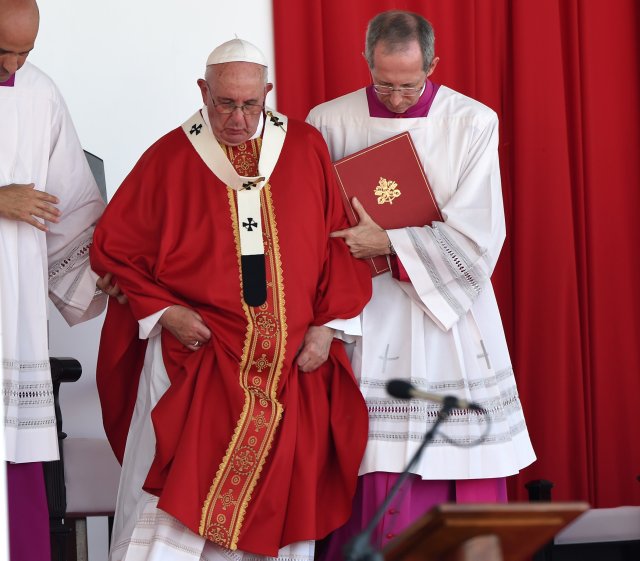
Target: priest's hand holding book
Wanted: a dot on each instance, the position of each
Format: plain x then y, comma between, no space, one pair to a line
390,183
365,239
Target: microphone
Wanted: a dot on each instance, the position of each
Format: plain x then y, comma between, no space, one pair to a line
359,548
405,390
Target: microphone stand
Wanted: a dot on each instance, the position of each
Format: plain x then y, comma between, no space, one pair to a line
359,548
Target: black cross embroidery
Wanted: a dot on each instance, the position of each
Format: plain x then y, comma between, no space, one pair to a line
250,225
247,186
277,122
196,129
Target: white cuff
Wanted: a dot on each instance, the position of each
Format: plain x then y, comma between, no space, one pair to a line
76,296
149,327
346,329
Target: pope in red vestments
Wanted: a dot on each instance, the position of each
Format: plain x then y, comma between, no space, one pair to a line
252,451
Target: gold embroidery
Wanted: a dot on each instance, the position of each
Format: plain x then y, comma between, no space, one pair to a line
259,421
227,501
261,363
240,469
217,535
386,191
266,324
244,157
244,460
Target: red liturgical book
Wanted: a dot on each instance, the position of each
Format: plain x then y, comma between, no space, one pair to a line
388,179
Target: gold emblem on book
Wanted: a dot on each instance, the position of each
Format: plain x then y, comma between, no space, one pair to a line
386,191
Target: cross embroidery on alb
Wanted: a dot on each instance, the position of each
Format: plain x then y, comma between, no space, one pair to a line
386,358
250,225
196,128
484,354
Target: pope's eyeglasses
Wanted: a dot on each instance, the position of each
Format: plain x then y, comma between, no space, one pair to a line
228,107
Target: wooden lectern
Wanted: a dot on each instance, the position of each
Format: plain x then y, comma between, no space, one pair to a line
482,532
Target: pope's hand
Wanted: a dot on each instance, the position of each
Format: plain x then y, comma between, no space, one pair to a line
104,284
315,349
24,203
186,325
366,239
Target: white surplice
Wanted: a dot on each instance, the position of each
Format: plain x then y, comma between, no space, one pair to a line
38,144
442,331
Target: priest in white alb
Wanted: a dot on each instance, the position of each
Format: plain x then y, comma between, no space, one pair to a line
49,202
434,322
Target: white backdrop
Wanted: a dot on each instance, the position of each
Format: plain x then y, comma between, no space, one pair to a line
128,71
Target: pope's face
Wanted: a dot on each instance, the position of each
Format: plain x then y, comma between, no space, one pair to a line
234,83
400,69
17,38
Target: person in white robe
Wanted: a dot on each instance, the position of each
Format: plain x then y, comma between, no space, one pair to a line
439,327
49,203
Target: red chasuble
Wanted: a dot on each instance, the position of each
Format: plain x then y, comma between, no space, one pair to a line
250,453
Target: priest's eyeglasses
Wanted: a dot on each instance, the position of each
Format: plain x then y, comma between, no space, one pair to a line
404,92
228,107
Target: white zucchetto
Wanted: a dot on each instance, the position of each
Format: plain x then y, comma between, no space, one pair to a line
237,50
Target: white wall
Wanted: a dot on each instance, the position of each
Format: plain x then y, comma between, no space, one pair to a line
128,72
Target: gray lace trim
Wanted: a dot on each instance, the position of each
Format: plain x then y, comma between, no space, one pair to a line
22,395
242,556
505,408
26,423
459,264
27,394
445,386
76,263
151,520
25,366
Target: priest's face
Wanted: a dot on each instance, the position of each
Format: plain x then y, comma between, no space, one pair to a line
18,30
401,73
234,93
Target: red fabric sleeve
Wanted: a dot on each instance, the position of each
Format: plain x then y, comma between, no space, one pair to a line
336,288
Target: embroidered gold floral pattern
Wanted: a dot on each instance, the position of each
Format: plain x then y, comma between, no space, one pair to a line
244,157
386,191
227,500
259,374
267,324
259,421
261,363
